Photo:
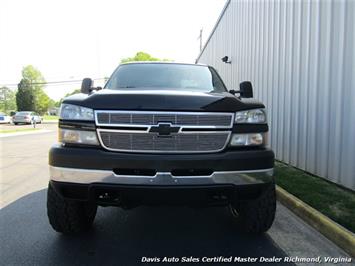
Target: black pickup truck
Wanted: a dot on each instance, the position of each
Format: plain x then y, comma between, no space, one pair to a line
161,134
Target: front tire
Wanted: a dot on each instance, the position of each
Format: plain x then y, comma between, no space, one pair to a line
257,216
68,217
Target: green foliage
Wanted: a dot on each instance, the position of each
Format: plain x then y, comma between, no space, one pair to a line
33,75
50,117
334,201
7,100
142,56
30,95
25,96
43,102
57,104
72,93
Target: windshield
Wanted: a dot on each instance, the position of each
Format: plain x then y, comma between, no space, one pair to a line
166,76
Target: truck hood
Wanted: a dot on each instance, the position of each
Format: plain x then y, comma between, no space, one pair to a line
161,100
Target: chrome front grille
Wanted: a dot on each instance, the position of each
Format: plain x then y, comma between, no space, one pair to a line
151,142
128,118
128,131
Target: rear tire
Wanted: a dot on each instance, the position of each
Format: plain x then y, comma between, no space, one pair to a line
68,217
15,124
257,216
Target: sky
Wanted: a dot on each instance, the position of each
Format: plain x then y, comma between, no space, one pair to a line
70,40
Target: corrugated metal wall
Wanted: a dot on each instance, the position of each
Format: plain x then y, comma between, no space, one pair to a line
300,58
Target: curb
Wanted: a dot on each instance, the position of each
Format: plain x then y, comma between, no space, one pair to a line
327,227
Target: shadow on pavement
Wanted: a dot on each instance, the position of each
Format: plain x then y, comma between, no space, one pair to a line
123,237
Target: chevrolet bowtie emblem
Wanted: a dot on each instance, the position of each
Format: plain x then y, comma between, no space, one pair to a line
164,129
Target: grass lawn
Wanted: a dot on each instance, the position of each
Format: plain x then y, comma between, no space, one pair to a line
17,130
50,117
333,201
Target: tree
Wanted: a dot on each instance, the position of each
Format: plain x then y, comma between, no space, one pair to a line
25,96
30,95
57,104
43,102
72,93
33,75
7,100
142,56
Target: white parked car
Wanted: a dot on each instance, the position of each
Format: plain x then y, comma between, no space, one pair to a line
27,117
4,119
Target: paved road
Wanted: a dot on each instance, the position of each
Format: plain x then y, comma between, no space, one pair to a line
23,163
123,237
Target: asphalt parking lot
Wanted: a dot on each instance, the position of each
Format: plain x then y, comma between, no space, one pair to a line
123,237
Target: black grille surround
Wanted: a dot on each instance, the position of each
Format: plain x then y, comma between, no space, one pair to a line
163,132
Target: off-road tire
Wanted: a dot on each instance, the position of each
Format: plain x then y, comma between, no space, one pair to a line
67,216
257,216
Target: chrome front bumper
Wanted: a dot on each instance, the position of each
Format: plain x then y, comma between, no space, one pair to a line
89,176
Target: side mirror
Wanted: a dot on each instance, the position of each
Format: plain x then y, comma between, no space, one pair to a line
86,86
225,60
246,89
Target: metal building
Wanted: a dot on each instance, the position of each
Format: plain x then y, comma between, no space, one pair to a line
300,58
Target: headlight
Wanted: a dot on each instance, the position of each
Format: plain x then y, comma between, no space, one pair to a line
250,139
254,116
75,112
78,136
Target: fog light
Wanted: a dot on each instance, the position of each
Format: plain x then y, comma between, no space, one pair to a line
251,139
77,136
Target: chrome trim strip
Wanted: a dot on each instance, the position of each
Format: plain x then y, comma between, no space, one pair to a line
89,176
99,130
228,173
164,113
